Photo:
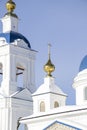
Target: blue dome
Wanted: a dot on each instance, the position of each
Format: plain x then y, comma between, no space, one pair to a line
11,36
83,64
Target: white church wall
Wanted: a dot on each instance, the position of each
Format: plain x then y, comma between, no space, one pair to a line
61,99
80,85
10,23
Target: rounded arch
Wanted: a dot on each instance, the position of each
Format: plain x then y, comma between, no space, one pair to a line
42,106
56,104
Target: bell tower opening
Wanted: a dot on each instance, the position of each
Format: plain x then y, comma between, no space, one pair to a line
19,76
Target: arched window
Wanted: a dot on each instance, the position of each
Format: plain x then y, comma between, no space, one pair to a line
56,104
42,106
86,93
1,73
19,76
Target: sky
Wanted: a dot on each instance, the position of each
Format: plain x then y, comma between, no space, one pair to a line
63,24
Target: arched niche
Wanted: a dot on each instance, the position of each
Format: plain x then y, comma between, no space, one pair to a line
56,104
42,106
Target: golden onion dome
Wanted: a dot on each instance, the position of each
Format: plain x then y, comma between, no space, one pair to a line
49,67
10,5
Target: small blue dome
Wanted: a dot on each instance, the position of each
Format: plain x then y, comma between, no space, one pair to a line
83,64
11,36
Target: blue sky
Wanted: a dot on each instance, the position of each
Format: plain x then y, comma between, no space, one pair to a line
63,23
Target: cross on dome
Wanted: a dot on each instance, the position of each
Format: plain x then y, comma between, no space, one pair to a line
49,49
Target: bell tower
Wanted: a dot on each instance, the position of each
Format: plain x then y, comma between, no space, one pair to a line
17,74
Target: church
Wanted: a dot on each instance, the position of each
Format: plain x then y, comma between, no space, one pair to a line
20,103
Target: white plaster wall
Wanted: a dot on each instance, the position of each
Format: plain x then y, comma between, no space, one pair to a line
80,83
13,102
10,23
25,58
61,99
80,95
74,116
37,100
49,100
11,109
49,93
12,56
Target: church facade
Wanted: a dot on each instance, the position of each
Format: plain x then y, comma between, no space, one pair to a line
50,111
20,103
